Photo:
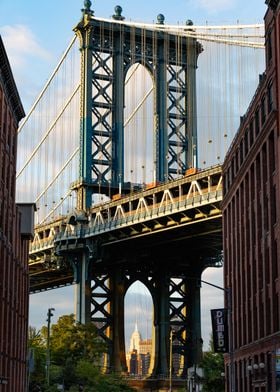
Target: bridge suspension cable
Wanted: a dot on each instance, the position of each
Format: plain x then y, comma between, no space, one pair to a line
56,206
220,39
38,119
227,75
127,121
195,31
47,83
57,175
49,130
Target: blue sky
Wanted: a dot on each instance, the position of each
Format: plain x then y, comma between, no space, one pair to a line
37,33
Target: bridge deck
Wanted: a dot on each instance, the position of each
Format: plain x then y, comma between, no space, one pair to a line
181,210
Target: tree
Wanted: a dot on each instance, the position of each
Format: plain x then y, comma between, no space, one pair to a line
70,343
75,341
36,358
75,353
213,367
94,380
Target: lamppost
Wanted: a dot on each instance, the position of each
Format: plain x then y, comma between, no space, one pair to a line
257,371
170,359
230,331
3,380
48,361
131,183
120,184
143,176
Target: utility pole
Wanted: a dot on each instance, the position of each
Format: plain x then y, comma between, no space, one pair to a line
48,357
170,359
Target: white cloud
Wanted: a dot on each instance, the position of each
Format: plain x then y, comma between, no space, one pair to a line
22,45
213,6
30,61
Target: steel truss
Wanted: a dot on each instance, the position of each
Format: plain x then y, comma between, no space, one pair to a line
111,247
176,306
108,50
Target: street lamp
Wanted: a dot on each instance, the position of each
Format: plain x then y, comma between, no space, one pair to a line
257,372
3,380
120,184
170,359
50,314
131,183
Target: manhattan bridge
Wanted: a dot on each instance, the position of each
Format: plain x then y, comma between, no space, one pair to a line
122,154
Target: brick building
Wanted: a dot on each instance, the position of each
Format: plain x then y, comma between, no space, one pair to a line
251,227
16,227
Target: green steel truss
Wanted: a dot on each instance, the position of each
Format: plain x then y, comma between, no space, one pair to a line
108,50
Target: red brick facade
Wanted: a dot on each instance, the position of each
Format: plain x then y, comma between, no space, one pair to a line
251,227
14,286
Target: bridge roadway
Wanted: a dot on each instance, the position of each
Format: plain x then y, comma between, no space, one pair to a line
184,213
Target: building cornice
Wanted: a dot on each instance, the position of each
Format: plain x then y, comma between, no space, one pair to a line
9,85
273,4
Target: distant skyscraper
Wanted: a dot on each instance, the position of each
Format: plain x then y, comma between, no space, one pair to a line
139,356
135,340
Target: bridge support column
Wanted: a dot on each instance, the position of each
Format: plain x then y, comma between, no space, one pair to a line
117,360
162,325
83,290
194,339
161,155
118,113
84,31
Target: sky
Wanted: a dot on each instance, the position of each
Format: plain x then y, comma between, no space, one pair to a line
36,34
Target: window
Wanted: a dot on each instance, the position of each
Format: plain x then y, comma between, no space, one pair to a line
263,112
246,142
251,133
269,46
241,151
271,146
270,98
257,122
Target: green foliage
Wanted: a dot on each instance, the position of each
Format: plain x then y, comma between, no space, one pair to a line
75,341
94,380
76,353
37,357
213,367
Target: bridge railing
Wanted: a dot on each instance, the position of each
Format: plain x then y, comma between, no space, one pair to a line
182,200
154,212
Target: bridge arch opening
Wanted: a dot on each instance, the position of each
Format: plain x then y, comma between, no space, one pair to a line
139,330
139,126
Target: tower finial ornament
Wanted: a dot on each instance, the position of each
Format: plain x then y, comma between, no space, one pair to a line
87,4
160,19
87,10
118,13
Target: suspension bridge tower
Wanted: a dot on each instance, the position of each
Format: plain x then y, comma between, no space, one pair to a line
108,50
128,106
104,273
